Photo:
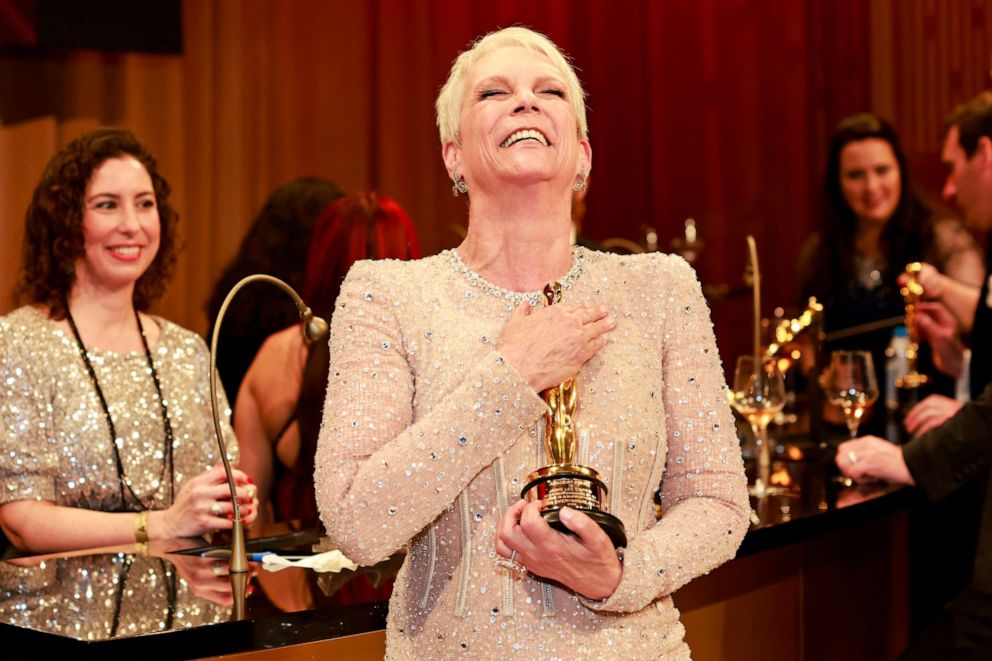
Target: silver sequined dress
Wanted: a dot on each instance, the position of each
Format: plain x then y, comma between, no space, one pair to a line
99,597
428,435
54,438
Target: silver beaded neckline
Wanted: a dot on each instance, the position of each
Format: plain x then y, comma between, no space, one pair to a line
515,297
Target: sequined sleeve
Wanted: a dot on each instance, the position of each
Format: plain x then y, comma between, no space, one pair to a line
28,462
381,475
704,491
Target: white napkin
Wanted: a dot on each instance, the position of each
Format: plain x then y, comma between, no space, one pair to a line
330,561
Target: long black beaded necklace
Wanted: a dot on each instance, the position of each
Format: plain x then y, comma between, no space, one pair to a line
122,576
125,481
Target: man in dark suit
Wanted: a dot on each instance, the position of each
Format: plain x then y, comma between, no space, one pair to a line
959,451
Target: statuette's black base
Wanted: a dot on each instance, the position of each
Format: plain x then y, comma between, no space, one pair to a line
578,487
610,524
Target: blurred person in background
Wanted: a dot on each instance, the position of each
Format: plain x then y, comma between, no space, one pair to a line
275,244
958,453
277,418
873,222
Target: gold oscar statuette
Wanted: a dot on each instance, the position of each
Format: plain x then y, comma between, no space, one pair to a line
912,292
564,483
907,386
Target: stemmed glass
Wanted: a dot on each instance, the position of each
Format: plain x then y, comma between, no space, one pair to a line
849,382
758,395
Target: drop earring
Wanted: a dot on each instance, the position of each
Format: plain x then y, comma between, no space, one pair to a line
581,182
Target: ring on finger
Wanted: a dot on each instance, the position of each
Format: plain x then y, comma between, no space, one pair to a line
251,492
511,564
216,509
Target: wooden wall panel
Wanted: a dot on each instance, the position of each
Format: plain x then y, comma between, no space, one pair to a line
17,180
927,57
714,109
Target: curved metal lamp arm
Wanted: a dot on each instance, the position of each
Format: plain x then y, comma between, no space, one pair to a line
314,329
752,252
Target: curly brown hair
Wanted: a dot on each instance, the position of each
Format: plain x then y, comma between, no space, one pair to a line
53,223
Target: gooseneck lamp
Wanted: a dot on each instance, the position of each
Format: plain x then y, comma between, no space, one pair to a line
314,329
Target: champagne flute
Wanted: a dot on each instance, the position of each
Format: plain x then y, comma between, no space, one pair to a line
759,393
849,382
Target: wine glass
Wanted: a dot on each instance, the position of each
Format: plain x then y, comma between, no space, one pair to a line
759,393
849,382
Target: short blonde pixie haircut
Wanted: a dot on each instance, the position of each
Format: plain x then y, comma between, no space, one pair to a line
450,98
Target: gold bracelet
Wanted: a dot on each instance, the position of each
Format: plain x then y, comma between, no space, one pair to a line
141,527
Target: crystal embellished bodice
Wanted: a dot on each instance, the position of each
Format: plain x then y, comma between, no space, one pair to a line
429,433
514,297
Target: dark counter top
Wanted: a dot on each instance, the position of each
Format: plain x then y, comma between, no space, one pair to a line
818,501
114,602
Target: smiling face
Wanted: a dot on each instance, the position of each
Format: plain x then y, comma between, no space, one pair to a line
517,124
120,226
870,179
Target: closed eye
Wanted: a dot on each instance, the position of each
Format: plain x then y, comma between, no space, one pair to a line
486,94
555,92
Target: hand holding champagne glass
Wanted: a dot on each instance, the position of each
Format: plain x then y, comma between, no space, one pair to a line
759,393
849,382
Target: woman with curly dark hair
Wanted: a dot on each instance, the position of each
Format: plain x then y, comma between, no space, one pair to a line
873,222
106,435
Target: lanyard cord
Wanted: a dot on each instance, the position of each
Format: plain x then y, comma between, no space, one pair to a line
170,590
167,460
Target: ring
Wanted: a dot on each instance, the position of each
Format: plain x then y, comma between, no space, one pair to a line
215,509
511,564
251,492
853,458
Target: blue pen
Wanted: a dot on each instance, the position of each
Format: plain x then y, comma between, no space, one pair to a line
252,557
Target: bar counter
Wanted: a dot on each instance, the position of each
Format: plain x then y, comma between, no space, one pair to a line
822,570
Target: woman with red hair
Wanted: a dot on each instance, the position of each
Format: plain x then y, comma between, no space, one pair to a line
277,415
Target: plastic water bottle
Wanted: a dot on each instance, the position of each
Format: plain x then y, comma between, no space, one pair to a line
896,365
898,401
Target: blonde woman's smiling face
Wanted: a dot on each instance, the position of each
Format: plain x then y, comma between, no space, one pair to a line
517,123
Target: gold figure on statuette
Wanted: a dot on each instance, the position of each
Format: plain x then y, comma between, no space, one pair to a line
563,483
912,292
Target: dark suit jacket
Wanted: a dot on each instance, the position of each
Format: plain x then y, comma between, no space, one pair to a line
981,335
952,455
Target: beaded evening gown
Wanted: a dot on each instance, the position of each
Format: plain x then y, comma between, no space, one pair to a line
428,435
54,438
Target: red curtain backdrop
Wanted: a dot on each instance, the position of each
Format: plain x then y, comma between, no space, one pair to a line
712,109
